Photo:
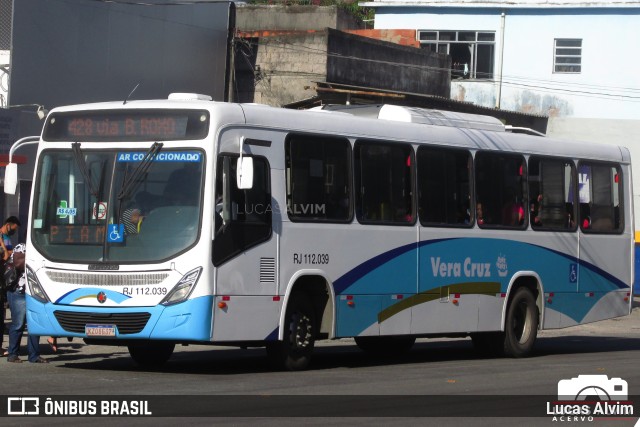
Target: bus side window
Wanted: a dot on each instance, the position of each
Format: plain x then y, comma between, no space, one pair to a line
318,176
501,185
444,186
600,198
384,182
552,194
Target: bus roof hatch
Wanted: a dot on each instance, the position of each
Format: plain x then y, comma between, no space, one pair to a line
421,115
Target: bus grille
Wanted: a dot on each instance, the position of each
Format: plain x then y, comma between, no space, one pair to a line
127,323
112,279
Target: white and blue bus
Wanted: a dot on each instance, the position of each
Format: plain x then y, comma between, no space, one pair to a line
166,222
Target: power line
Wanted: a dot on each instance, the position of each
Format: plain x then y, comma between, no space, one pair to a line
576,93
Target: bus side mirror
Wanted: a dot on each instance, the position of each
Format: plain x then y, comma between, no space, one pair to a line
244,171
11,178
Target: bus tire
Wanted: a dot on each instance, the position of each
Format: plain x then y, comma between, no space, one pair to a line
385,345
521,324
293,353
151,354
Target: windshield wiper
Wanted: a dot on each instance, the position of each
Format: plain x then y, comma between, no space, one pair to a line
130,183
82,165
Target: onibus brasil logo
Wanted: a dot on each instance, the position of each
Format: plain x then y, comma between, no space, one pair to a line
589,396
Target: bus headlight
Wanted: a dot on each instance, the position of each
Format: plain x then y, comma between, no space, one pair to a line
35,289
183,288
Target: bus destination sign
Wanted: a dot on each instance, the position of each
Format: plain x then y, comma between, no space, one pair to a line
127,125
170,127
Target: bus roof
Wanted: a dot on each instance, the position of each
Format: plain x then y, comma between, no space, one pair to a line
474,136
387,122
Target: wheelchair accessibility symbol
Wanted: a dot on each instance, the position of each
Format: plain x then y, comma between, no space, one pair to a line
115,233
573,273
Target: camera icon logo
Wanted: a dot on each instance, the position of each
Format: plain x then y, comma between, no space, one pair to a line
23,406
593,388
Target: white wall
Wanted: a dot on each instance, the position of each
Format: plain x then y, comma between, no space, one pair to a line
610,65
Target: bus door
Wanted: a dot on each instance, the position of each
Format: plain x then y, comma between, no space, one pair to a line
605,270
552,248
244,253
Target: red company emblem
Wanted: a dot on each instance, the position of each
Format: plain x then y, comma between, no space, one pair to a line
102,297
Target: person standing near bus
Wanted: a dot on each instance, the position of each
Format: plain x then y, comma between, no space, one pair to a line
18,307
7,230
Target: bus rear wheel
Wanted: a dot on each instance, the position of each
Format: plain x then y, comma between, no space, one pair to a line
520,329
293,353
151,354
521,325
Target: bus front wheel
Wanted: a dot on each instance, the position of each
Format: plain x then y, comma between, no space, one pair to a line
151,354
293,353
521,325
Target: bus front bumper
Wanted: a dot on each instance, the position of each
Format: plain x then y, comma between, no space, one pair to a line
186,321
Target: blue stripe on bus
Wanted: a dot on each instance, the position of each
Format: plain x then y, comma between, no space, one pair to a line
79,294
273,336
443,263
351,277
611,278
472,247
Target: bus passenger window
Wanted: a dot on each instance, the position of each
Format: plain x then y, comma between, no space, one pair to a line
501,185
318,178
600,198
552,194
444,187
384,182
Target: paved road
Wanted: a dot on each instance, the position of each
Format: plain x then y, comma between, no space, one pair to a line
434,367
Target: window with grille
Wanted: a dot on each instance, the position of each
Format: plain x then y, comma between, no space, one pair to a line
567,56
472,52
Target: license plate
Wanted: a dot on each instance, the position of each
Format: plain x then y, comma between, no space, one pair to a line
100,330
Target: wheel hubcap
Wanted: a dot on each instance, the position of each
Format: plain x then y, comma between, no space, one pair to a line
301,331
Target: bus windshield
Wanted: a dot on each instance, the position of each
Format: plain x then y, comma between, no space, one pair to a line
111,206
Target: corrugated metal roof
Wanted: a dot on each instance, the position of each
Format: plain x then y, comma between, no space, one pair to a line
336,93
337,87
